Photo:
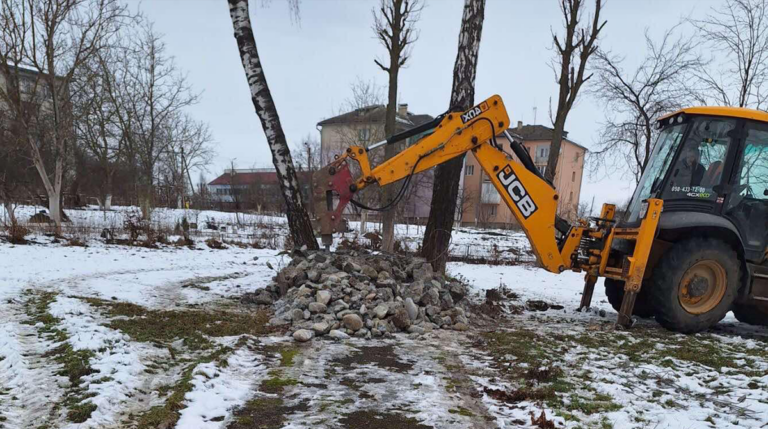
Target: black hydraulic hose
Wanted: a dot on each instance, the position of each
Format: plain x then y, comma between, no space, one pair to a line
396,199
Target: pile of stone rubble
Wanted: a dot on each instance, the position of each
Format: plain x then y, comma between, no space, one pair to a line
356,293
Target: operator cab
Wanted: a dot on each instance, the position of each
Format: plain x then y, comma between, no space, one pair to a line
710,166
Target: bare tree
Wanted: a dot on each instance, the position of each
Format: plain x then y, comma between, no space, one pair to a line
437,235
298,219
570,64
393,24
97,128
54,38
468,199
14,177
149,94
365,97
310,157
737,33
635,99
188,147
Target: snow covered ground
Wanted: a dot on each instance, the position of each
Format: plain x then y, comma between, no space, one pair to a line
110,336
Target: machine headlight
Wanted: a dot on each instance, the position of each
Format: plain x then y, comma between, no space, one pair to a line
643,209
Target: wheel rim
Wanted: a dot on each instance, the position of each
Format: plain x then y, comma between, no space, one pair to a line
702,287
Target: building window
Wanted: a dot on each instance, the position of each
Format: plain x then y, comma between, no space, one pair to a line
469,170
573,176
364,134
570,197
542,169
492,210
543,151
576,157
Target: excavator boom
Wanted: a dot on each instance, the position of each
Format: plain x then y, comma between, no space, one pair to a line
533,201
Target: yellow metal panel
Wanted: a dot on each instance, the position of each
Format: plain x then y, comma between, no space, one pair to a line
732,112
452,138
571,245
645,236
609,211
532,200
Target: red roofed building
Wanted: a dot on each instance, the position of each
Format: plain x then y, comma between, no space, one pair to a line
253,189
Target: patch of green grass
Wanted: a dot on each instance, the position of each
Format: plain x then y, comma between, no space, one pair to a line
287,355
462,412
276,383
75,363
600,403
605,423
192,326
81,412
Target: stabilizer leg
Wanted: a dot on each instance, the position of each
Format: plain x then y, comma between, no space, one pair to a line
589,289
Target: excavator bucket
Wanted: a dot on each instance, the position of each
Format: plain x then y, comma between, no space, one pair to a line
331,194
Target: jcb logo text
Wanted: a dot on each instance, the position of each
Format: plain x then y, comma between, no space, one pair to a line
517,191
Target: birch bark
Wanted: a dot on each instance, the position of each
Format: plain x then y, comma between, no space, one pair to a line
298,219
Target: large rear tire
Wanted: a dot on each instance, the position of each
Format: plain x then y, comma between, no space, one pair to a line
695,284
614,291
751,314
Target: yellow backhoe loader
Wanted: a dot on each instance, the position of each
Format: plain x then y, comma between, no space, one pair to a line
690,247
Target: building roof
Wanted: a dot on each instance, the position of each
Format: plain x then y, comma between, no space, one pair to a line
733,112
539,132
375,114
250,177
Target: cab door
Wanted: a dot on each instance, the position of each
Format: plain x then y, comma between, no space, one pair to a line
747,203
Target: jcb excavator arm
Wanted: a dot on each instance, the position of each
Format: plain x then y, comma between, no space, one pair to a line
532,200
585,246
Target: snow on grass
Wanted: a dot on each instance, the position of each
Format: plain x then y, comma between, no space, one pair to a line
218,389
28,382
148,277
117,361
644,377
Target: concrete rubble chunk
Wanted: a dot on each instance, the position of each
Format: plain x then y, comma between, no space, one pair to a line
353,322
411,309
381,311
303,335
335,333
323,297
401,320
317,307
321,328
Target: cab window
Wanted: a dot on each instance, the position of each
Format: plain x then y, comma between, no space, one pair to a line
747,204
752,173
701,161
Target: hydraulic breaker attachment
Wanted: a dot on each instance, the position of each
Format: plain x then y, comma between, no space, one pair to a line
331,193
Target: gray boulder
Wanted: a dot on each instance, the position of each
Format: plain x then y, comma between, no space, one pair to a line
303,335
323,297
411,308
336,334
317,307
353,322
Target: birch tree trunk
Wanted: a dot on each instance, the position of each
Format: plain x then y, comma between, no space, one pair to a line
298,219
445,191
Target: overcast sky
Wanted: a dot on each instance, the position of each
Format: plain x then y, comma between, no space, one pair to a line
310,65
